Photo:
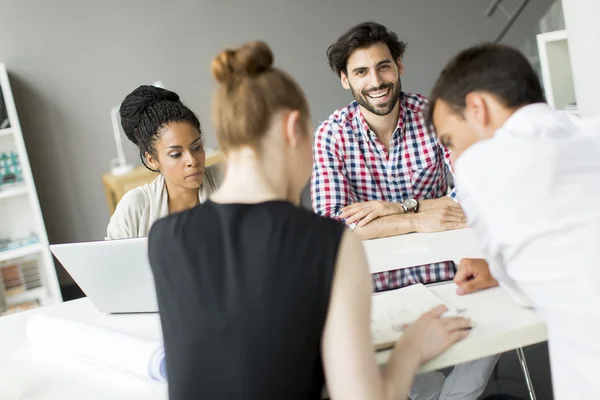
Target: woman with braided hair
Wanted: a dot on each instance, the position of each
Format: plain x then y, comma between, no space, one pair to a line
170,140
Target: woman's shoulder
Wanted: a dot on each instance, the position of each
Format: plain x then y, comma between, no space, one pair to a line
214,175
213,178
141,196
128,214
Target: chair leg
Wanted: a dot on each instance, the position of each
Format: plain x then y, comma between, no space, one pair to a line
525,369
496,373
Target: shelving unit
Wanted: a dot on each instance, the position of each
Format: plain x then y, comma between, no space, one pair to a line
27,271
24,251
555,65
17,190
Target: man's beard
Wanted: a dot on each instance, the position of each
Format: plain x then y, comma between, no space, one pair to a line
379,109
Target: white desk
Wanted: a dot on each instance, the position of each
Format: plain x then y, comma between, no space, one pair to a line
501,325
414,249
28,374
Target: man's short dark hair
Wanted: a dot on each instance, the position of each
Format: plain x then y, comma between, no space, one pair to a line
493,68
359,37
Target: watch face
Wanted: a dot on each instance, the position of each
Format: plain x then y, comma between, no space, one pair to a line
410,203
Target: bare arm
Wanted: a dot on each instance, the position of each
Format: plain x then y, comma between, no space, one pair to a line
390,225
125,222
434,216
347,349
348,353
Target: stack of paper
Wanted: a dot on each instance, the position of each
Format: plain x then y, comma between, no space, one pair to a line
122,351
390,311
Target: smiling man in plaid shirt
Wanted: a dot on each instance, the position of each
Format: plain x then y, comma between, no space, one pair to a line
376,165
380,170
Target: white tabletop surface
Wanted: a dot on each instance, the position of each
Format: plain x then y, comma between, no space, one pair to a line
414,249
27,373
500,325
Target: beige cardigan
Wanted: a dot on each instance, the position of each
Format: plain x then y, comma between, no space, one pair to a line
141,207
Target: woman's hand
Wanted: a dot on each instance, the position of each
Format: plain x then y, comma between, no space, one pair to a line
432,334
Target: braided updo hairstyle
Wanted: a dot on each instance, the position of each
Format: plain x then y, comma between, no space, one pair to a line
146,111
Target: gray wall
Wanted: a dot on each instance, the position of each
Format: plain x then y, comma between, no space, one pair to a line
70,61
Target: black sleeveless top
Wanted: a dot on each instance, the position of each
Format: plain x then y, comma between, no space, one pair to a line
243,293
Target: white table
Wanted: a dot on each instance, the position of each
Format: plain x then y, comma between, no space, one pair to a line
500,325
414,249
26,373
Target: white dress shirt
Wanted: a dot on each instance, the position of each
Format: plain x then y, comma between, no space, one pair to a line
532,195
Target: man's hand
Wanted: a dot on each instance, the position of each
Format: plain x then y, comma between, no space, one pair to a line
367,211
439,215
431,204
473,274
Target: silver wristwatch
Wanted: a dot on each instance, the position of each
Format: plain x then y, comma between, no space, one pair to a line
410,206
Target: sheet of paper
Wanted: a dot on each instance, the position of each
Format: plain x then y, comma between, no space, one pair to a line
98,345
391,310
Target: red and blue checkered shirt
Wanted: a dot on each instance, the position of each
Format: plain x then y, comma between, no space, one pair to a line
351,165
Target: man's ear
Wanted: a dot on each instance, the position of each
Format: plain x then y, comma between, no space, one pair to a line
291,125
344,80
400,66
152,161
477,108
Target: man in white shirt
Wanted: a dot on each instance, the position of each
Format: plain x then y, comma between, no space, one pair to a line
528,179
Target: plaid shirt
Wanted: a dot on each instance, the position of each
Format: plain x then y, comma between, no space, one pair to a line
351,165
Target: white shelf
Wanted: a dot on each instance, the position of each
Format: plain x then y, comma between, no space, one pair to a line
39,293
21,214
555,66
17,190
28,250
573,111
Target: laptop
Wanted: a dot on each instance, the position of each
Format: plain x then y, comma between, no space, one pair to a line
114,274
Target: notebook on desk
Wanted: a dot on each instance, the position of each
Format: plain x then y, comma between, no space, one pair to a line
391,310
